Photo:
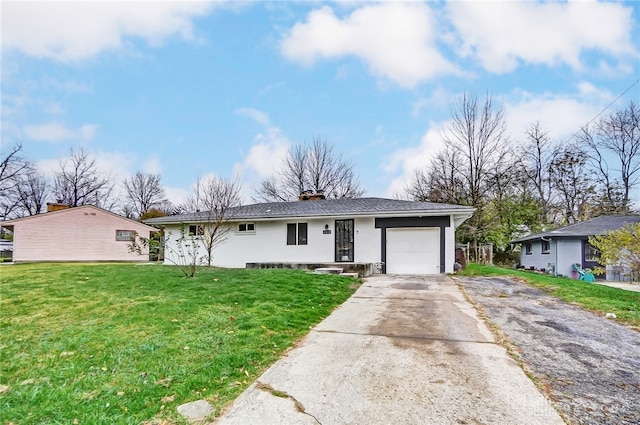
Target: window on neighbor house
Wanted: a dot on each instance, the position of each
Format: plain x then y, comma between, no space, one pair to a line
247,227
196,230
527,248
296,233
546,247
591,253
125,235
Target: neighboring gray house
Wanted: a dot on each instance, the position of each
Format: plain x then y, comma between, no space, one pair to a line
557,250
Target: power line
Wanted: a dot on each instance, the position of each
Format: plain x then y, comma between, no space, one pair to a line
601,112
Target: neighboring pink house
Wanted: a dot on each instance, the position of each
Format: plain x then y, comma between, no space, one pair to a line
85,233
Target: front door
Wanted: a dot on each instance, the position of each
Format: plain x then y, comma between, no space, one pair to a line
344,240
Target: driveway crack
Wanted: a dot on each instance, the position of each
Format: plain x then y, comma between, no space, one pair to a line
277,393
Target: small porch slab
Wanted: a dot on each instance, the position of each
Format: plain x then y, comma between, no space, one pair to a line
362,269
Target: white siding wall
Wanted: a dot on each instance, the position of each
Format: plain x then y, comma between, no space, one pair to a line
449,248
269,243
367,241
76,234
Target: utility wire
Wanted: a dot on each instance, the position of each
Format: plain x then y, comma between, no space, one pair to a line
601,112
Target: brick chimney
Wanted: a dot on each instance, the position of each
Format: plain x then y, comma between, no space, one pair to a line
308,195
57,206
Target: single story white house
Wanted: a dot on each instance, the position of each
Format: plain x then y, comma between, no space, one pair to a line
405,237
556,251
85,233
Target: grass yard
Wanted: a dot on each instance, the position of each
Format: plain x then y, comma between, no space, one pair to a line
125,344
598,298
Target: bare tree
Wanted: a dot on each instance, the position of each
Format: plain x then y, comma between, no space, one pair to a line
316,167
214,198
614,152
31,191
476,135
441,181
144,192
12,167
537,154
79,182
573,184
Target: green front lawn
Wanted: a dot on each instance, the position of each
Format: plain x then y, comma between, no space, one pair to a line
598,298
125,344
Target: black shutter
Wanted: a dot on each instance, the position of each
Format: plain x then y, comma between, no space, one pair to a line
302,233
291,233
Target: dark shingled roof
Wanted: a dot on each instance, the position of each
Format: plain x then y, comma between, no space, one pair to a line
595,226
323,208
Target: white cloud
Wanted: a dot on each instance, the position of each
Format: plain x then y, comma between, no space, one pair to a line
176,195
71,31
502,34
264,159
396,40
152,165
440,98
266,155
561,114
256,115
56,132
405,162
116,164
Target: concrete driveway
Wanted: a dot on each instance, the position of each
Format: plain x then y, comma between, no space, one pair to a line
401,350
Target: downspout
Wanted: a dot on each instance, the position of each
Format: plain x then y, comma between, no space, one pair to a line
555,264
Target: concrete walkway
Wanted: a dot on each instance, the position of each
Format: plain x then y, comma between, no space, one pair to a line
401,350
635,287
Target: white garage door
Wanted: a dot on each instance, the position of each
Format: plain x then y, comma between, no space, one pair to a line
413,250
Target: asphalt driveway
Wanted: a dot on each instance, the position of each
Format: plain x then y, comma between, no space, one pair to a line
401,350
590,364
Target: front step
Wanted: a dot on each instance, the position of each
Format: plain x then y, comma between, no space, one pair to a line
356,275
329,270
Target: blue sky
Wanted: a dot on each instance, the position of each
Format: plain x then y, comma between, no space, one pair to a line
187,89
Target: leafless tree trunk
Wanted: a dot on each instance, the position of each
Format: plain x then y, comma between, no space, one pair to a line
12,165
440,182
476,134
214,199
537,154
16,173
144,191
315,167
31,190
615,140
572,183
79,182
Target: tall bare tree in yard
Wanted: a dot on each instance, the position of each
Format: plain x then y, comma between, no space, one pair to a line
537,154
315,167
614,151
12,167
144,191
476,134
214,199
440,181
572,182
80,182
31,191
